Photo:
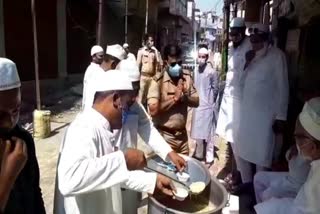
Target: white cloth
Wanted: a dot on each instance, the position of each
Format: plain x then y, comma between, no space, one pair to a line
131,68
203,51
310,117
89,172
264,100
282,184
96,49
116,51
112,80
228,120
237,22
138,122
203,118
90,74
306,202
131,57
9,75
246,168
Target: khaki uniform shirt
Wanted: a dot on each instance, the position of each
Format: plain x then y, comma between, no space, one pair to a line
147,61
162,88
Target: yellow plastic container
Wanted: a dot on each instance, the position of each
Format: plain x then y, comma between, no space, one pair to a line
41,124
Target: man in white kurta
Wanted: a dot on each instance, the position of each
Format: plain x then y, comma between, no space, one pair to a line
138,122
228,121
264,103
94,68
229,113
269,185
130,56
206,81
307,135
90,172
114,54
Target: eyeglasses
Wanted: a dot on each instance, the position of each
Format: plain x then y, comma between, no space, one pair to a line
255,31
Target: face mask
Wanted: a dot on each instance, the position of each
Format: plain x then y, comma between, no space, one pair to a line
201,61
175,70
124,116
306,158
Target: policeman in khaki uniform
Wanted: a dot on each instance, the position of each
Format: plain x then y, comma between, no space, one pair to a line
170,94
148,62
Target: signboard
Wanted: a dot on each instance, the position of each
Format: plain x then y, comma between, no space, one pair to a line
190,9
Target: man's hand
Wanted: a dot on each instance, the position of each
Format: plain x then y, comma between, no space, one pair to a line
279,126
14,158
164,185
135,159
179,91
178,161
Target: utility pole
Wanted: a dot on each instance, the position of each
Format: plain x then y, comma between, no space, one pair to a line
194,38
147,15
126,22
99,39
226,35
36,56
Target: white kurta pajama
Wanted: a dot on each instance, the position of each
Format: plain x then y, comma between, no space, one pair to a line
88,94
269,185
228,120
264,100
203,117
306,202
89,172
138,122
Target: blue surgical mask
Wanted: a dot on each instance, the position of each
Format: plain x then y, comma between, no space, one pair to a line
175,71
124,116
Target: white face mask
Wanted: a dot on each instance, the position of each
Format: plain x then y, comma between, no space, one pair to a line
307,158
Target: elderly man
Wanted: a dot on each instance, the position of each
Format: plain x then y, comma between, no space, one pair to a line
148,63
114,54
228,119
97,57
307,135
137,122
130,56
90,172
203,119
19,177
264,103
170,94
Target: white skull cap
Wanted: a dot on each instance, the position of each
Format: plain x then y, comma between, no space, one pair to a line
310,117
203,51
131,69
112,80
96,49
9,77
125,45
237,22
261,27
116,51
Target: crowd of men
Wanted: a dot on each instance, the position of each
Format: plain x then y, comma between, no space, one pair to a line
99,168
